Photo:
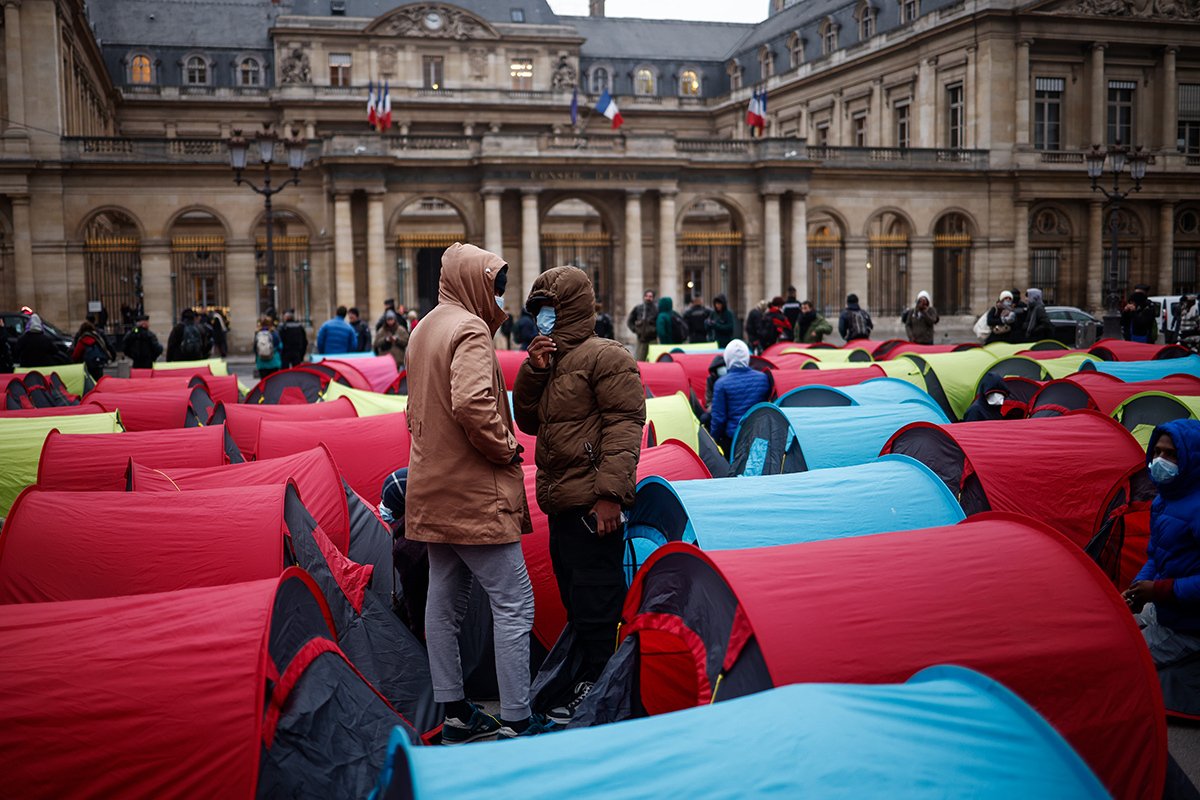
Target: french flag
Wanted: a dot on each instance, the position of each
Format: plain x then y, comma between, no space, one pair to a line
756,111
608,108
385,116
372,115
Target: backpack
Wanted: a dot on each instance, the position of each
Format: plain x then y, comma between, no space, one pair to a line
191,344
858,324
264,345
679,328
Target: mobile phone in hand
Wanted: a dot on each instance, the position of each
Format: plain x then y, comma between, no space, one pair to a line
589,522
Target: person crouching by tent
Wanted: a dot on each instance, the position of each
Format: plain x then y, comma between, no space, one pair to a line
466,492
1165,595
994,401
735,393
410,559
582,397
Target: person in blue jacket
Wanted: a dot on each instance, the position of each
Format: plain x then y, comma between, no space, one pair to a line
1165,595
336,336
734,393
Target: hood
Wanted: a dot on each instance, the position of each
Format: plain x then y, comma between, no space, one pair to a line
1035,295
737,354
720,299
664,305
468,280
1186,435
35,324
925,295
569,290
993,383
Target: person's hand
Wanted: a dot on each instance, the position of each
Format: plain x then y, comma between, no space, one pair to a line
539,351
608,516
1137,595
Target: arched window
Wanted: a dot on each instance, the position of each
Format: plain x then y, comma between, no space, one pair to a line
795,50
600,80
829,37
249,72
689,83
195,71
766,62
1186,257
866,21
643,81
141,70
952,264
734,70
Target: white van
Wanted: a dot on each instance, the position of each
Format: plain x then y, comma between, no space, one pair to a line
1166,308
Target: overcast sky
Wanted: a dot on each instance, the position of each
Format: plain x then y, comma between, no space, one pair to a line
711,10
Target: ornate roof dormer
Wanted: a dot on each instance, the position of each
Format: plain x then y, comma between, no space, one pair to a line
432,21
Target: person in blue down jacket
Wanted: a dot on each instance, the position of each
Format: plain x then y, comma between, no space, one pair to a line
735,392
1165,595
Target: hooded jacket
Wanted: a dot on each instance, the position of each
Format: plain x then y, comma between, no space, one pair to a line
737,391
722,321
35,348
463,484
587,409
918,324
664,324
1173,555
980,411
1037,321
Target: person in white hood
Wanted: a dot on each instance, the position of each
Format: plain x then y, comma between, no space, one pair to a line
920,319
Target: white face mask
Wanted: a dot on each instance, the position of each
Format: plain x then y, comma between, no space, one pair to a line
995,399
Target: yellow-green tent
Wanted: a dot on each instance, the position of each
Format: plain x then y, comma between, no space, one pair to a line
1141,413
828,355
1066,365
73,376
21,440
657,350
673,419
367,404
216,366
1005,349
951,378
905,370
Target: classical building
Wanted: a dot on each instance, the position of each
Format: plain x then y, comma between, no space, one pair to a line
909,144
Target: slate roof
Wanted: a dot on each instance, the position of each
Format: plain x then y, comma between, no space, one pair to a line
617,37
226,24
537,12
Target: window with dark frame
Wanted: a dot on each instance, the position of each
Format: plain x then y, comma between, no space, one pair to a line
903,124
196,71
909,10
1120,112
1189,118
249,72
517,15
955,117
860,129
1047,113
339,69
432,72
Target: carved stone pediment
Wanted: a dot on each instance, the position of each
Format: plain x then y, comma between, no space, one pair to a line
432,21
1188,10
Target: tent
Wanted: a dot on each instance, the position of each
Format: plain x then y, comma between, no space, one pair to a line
892,348
1059,473
700,626
111,385
1102,392
1147,370
34,390
792,359
892,493
400,385
22,440
1005,349
150,410
366,449
100,462
366,404
671,460
74,377
946,732
1142,412
214,366
241,420
657,350
951,378
294,386
850,354
510,364
662,378
229,691
377,371
672,417
696,366
52,411
771,440
1121,350
786,380
887,391
221,388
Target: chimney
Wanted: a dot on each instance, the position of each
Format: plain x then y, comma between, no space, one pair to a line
595,8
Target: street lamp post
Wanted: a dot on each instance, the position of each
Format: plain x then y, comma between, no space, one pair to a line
238,149
1118,155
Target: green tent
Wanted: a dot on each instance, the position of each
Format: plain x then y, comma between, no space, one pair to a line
1141,413
905,370
1004,349
21,440
367,404
951,378
1067,364
74,376
657,350
673,419
216,366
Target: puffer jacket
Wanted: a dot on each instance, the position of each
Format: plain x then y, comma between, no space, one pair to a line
587,409
733,395
463,484
1174,550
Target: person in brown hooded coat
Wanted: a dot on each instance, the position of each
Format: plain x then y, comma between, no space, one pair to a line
582,396
466,493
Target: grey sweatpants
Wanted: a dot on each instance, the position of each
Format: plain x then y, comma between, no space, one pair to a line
1166,646
500,569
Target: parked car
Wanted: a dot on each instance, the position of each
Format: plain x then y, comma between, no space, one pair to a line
1073,326
1166,308
14,326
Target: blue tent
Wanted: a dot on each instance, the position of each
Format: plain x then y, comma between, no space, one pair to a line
891,493
885,391
771,440
947,732
1130,371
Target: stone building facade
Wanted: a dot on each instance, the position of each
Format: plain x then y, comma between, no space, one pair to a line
910,144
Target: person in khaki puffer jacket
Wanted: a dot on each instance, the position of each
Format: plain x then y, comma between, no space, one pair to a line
466,493
582,397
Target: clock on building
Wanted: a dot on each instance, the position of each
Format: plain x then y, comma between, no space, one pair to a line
433,21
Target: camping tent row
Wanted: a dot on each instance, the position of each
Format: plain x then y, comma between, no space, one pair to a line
35,390
307,383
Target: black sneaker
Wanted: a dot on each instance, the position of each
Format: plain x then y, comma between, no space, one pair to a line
565,713
479,726
537,725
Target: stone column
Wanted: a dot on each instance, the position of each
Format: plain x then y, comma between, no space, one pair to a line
668,257
13,68
1019,274
1098,95
531,243
493,232
799,266
1095,251
920,270
377,272
343,249
242,290
1021,87
634,279
926,113
1170,103
157,296
876,116
772,246
23,252
1166,248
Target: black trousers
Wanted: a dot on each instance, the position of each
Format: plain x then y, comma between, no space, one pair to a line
591,582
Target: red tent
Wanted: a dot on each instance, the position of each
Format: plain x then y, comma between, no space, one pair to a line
198,693
99,462
110,385
377,372
221,388
663,378
779,348
51,411
696,366
785,380
672,460
344,372
366,449
1056,469
891,348
168,371
1102,392
1121,350
792,360
138,544
296,386
242,420
510,362
1025,607
313,471
149,410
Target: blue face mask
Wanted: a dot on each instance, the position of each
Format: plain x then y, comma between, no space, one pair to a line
500,303
1163,471
546,318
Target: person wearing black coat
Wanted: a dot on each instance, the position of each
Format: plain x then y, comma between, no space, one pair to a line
35,348
526,329
141,345
6,355
294,339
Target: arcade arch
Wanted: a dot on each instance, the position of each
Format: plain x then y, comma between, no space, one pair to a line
112,261
423,229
